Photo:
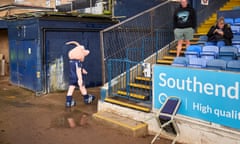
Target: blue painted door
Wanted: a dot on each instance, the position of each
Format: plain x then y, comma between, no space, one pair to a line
23,63
57,57
27,64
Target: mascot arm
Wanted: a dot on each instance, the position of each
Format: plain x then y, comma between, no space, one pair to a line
79,75
84,71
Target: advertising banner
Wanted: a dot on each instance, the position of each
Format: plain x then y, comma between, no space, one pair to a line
206,94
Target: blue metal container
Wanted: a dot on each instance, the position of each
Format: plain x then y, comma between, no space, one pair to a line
3,24
39,56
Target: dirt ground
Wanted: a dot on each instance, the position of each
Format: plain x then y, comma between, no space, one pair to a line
27,119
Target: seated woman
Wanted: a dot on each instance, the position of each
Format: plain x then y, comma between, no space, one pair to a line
220,34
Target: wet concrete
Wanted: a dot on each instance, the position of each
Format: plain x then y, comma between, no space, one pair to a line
28,119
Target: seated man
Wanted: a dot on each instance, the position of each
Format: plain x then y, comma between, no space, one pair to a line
220,34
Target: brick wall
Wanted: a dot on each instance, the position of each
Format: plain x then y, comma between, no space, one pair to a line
4,2
39,3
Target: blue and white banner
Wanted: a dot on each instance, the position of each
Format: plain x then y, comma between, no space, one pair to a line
207,95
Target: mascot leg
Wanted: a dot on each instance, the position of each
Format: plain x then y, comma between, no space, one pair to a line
87,98
69,100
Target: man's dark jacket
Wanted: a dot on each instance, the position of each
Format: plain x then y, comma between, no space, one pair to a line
184,17
214,37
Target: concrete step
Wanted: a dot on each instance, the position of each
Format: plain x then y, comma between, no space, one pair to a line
123,124
225,8
203,30
142,86
234,1
132,94
212,19
167,62
214,15
174,51
202,33
232,4
193,42
210,22
168,57
195,39
198,34
125,103
143,78
206,25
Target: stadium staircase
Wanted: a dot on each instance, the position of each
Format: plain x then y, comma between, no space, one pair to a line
141,84
201,30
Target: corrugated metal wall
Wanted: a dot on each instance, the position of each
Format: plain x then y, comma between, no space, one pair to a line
57,57
38,54
24,56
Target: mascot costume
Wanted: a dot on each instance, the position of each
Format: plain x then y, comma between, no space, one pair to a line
76,58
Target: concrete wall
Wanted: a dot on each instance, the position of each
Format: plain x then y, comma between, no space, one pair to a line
192,131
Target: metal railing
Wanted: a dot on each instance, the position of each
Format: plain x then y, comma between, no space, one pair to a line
150,45
120,85
118,39
129,44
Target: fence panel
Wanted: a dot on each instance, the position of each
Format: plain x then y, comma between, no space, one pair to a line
121,85
125,47
136,34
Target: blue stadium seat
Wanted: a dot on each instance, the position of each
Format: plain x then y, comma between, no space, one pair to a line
197,62
209,52
237,46
216,64
202,39
236,37
228,53
233,65
180,61
237,21
236,8
229,21
193,51
236,42
235,29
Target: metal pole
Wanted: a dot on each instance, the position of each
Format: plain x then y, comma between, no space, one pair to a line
90,6
102,55
112,4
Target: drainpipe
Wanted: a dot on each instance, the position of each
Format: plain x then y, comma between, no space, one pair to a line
91,6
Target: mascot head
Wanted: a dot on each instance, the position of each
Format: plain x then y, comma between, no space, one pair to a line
77,53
